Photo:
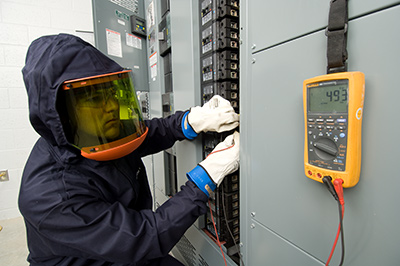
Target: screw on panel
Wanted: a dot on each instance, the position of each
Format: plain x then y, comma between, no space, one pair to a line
252,226
4,175
253,61
253,47
253,214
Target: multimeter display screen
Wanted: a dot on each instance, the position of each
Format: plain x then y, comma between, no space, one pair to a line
328,97
139,23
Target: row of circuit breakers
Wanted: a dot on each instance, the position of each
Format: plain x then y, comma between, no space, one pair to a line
219,58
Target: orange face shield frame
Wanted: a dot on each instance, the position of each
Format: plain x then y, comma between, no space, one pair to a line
91,91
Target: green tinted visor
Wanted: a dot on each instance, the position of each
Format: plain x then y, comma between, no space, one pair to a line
104,117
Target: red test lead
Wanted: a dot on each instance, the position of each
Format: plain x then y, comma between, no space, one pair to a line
338,184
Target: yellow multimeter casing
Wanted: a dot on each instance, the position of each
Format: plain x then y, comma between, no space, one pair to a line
333,109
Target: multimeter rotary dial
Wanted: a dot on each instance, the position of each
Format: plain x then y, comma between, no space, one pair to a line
325,148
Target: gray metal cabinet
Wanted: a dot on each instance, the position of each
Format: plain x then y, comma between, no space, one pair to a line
288,219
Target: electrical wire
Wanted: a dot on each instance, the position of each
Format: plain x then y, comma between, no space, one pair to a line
341,234
216,233
337,192
224,149
333,248
338,183
339,231
212,216
227,225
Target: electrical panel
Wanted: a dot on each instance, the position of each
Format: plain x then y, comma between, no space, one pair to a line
278,217
167,97
288,219
219,59
143,98
219,35
120,34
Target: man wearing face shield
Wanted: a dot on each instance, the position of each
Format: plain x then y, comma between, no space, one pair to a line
84,193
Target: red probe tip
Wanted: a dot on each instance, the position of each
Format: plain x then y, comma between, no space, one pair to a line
337,183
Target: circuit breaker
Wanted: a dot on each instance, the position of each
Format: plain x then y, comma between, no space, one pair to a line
219,59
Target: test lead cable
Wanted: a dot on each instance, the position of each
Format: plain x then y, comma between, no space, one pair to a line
216,232
338,184
209,205
227,226
336,189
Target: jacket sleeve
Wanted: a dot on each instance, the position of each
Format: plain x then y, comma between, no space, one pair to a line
80,224
163,133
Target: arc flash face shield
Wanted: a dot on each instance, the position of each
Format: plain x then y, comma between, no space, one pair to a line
103,115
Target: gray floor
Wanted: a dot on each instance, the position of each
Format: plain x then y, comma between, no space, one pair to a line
13,250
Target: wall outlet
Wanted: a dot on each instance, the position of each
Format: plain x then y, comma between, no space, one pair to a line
4,175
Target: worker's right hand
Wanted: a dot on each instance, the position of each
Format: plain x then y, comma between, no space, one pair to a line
216,115
222,161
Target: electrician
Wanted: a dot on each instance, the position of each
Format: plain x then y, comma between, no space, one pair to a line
84,194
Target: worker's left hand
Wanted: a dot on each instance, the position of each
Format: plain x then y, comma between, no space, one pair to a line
224,159
215,115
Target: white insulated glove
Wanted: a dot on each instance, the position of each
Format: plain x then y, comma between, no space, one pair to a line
215,115
224,159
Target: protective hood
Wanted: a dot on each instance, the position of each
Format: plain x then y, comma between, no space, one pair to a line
50,61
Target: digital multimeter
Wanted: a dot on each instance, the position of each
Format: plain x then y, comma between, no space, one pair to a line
333,109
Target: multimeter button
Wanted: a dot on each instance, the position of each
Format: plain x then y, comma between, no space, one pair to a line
319,120
310,126
320,127
330,127
330,120
311,120
341,128
341,120
342,135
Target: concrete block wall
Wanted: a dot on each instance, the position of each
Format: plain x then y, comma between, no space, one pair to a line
21,22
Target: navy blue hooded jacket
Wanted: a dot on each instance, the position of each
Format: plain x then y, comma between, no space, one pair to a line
79,211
